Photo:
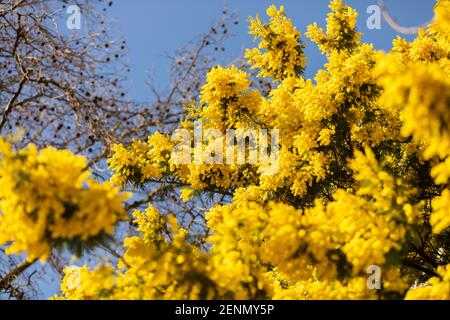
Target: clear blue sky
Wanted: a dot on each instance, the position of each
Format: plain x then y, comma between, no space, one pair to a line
155,27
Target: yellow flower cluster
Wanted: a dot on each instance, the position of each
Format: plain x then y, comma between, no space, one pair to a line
440,28
227,98
47,199
416,85
255,248
437,288
440,217
224,84
355,289
80,283
422,91
256,252
159,265
140,161
279,54
340,34
363,172
308,116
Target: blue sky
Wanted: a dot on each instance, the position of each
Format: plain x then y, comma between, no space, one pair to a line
155,27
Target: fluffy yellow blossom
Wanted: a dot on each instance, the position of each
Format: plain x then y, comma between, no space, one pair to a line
440,216
437,288
340,33
47,199
422,93
280,52
141,161
363,173
187,194
224,84
80,283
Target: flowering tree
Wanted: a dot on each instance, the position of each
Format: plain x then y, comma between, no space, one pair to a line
67,88
361,181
